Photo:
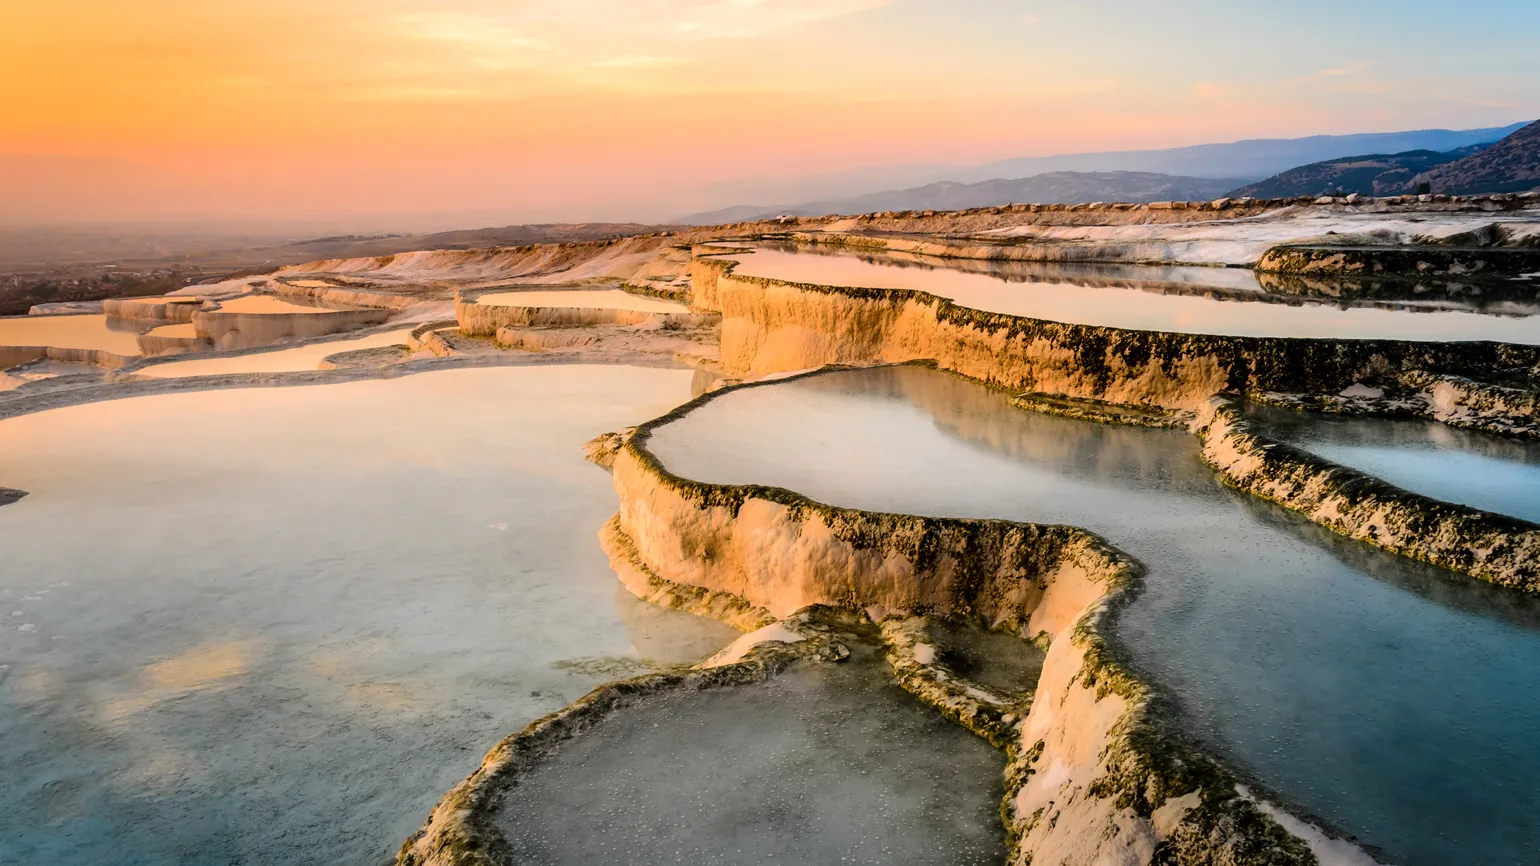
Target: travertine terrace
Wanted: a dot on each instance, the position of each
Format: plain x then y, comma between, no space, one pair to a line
1098,768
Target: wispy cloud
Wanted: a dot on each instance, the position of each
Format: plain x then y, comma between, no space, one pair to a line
1336,72
633,61
1029,19
475,30
704,19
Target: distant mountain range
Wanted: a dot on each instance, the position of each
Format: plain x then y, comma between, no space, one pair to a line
1374,174
1084,177
1068,187
1509,165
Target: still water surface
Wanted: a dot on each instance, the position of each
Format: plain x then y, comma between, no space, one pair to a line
1394,699
1173,301
275,625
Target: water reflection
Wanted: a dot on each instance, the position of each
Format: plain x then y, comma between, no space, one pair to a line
1492,473
1192,300
274,626
1394,699
73,332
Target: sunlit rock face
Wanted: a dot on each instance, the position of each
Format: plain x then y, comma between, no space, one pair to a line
326,605
772,325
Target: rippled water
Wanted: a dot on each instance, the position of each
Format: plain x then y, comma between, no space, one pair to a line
1493,473
1394,699
275,625
1173,299
823,764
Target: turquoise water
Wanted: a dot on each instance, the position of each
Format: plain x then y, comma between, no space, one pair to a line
1492,473
276,625
1396,701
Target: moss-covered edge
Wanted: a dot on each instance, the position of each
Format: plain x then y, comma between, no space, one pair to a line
1248,364
461,830
1492,547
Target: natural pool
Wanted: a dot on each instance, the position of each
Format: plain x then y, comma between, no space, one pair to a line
603,299
72,332
275,625
1395,700
1104,302
297,359
1492,473
267,305
825,763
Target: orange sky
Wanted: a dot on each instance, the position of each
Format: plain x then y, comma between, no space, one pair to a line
561,109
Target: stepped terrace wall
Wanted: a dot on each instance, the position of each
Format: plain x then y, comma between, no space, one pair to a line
237,330
485,320
1095,771
774,326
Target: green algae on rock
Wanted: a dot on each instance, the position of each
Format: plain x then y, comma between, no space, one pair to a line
1493,547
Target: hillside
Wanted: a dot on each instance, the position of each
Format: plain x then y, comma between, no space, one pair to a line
1252,158
1511,165
1059,187
1374,174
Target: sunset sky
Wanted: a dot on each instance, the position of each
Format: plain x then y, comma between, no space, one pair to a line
526,110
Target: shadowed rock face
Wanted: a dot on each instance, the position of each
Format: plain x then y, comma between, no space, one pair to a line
9,496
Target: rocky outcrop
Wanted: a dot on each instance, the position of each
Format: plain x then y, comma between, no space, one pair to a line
1461,402
377,356
1428,261
773,325
1493,547
425,337
9,496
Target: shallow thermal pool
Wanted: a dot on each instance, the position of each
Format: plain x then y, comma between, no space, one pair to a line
299,358
825,763
1396,700
71,332
268,305
606,299
1085,303
1492,473
276,625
